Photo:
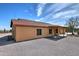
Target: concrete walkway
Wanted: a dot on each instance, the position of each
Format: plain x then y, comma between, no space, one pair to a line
68,46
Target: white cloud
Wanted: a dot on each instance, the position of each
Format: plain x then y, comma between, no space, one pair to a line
69,16
57,7
61,6
4,27
65,13
37,20
46,17
61,14
52,7
40,8
56,23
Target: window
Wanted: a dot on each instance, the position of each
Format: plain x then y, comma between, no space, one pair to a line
39,31
50,31
56,30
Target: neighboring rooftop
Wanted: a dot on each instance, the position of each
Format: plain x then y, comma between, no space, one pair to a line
25,22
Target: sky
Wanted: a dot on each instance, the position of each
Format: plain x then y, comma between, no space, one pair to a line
53,13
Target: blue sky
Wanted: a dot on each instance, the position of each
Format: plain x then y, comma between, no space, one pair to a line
54,13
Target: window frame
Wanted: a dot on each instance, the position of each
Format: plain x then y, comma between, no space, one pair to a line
39,32
50,31
56,30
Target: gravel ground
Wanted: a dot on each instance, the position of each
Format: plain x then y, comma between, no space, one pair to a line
68,46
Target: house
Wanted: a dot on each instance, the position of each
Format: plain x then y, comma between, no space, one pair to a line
23,29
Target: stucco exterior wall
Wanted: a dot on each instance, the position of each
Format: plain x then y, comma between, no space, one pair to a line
21,33
62,30
26,33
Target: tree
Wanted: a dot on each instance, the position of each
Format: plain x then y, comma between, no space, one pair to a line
4,30
10,30
72,24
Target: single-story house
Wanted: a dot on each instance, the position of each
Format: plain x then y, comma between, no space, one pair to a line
23,29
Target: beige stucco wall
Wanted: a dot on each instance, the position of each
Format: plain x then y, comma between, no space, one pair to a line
26,33
20,33
62,30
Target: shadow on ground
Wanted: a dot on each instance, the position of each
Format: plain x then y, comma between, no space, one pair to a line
6,40
55,38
